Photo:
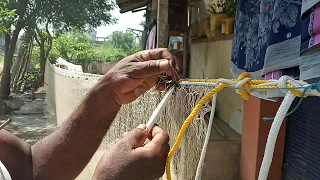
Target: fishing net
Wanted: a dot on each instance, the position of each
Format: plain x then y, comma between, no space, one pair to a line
66,89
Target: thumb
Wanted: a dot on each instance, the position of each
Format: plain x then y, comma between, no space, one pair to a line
152,67
137,137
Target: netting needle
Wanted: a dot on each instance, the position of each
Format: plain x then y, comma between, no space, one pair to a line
5,123
157,112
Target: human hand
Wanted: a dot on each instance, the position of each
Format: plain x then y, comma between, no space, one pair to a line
136,74
131,159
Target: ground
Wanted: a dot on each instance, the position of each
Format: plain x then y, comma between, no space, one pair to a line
28,119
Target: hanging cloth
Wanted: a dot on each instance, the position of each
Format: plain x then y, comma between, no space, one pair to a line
151,40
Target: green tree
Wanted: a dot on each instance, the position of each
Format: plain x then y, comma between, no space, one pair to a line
7,16
127,41
108,53
75,46
38,15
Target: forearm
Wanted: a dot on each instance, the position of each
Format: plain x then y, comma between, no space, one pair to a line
64,153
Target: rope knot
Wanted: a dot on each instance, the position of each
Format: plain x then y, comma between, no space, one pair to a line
286,82
242,87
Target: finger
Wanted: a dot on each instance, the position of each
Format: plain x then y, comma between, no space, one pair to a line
161,86
136,137
155,54
159,138
150,68
124,134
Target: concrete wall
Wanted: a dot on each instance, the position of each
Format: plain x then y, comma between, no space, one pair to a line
214,60
99,67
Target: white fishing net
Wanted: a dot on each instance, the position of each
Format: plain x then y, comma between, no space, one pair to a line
66,89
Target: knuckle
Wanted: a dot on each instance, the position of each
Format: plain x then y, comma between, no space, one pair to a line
138,132
150,54
152,64
139,56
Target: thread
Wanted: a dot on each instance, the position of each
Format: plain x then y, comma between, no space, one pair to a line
314,86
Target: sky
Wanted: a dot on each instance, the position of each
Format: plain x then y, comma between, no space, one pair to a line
125,20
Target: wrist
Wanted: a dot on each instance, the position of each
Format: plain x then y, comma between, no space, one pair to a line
101,97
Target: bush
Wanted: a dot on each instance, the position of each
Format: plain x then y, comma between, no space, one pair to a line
108,53
78,48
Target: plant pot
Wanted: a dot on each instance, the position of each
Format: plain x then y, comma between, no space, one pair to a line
216,21
229,26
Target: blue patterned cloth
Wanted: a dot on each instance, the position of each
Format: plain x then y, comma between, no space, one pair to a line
277,37
267,36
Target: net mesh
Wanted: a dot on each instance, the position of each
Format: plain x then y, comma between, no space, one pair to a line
66,89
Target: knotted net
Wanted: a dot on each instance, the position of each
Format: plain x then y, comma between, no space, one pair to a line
66,89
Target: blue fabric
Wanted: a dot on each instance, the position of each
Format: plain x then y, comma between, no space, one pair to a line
259,25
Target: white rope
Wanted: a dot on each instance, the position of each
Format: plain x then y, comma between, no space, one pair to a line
206,141
275,128
241,83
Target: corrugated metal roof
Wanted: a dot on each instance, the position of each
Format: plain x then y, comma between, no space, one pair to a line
129,5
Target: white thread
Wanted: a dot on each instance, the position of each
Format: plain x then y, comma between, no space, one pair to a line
227,81
206,141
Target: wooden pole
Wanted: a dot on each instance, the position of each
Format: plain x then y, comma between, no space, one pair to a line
162,23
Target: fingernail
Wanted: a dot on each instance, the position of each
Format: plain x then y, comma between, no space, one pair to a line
164,64
142,126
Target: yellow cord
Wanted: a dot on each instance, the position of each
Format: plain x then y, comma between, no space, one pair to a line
245,93
187,123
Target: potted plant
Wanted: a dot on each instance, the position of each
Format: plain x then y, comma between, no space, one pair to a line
217,11
230,8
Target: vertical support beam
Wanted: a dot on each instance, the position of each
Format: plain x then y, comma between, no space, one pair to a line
254,137
154,11
162,23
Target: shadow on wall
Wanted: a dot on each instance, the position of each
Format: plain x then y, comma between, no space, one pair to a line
100,68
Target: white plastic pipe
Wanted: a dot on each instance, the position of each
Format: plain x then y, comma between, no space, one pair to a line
273,134
206,141
158,111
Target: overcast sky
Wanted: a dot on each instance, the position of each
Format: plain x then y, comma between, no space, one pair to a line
126,20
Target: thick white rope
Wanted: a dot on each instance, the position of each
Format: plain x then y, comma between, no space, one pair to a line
275,128
206,141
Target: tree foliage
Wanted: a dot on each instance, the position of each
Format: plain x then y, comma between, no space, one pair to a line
77,47
37,15
124,40
7,16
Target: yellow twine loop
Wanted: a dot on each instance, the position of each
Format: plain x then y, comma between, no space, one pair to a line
245,93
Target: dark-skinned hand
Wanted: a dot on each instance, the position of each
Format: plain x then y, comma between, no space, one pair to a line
136,74
131,159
